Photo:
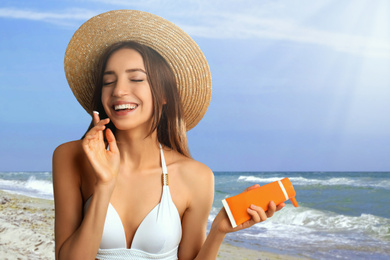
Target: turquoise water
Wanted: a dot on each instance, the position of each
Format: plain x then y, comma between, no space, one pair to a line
343,215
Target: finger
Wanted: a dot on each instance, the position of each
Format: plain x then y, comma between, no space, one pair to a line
98,126
95,117
94,131
280,206
252,187
103,121
95,134
257,213
111,141
271,209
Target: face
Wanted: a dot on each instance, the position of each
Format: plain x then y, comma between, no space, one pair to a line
126,94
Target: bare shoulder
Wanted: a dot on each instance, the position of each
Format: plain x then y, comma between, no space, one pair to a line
73,147
72,174
193,170
69,157
194,175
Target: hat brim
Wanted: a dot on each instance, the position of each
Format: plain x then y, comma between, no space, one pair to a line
183,55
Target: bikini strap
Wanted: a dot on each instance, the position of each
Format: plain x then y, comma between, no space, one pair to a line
164,168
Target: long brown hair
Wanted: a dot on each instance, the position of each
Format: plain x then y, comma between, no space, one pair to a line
168,117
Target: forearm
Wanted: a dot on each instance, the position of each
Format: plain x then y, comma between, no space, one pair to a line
84,242
210,248
221,226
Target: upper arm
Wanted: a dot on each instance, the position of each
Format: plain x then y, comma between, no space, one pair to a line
67,195
200,183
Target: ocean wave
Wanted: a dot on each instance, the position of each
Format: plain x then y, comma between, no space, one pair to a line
342,181
306,220
258,179
317,220
322,232
30,187
24,175
298,229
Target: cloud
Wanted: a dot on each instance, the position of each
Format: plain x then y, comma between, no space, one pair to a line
127,3
208,19
60,18
244,26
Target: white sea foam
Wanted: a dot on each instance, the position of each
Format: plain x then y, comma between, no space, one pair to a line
301,181
331,222
312,224
258,179
317,232
32,187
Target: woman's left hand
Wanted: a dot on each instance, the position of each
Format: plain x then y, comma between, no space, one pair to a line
257,214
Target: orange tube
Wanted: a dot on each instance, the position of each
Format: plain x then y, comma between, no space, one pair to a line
278,192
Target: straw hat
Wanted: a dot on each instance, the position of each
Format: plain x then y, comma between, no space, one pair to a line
184,56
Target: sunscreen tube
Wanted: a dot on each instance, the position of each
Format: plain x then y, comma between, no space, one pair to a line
278,192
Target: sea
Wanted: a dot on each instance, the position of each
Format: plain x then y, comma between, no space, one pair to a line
341,215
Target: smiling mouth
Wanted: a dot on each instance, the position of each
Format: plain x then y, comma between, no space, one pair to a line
125,107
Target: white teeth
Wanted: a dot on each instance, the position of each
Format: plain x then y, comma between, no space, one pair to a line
125,106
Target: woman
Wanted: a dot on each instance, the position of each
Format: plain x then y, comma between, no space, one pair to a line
113,197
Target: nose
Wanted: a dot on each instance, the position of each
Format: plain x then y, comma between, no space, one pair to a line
121,88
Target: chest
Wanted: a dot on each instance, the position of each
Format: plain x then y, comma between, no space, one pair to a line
136,195
156,231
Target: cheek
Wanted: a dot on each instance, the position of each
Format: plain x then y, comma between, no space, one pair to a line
145,94
150,99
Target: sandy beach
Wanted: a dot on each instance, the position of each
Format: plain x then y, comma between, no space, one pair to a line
26,231
26,227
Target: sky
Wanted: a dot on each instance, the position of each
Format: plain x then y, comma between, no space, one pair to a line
297,85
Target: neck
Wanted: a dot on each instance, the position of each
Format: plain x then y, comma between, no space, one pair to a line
138,151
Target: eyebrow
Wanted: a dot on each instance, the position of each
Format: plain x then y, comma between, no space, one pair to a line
109,72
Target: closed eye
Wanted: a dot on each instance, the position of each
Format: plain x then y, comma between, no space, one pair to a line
108,83
136,80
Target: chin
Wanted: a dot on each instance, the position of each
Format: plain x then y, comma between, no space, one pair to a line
122,126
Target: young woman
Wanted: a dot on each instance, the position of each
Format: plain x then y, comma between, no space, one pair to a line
113,198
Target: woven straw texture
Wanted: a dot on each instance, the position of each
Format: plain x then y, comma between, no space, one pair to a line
180,51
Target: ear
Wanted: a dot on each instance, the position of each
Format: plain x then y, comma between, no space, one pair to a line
164,101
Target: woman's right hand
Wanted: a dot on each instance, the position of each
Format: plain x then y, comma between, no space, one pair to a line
105,162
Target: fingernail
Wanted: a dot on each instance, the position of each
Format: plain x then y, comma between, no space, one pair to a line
96,112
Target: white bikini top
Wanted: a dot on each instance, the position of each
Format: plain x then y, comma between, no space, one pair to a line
157,237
